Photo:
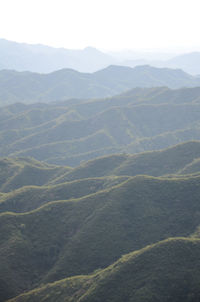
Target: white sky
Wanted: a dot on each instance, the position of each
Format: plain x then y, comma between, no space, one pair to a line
111,24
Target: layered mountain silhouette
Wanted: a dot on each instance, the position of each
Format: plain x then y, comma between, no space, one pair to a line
45,59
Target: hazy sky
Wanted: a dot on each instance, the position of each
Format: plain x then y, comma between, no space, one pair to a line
105,24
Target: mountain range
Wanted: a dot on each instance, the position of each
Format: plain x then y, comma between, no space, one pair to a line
99,177
28,87
72,131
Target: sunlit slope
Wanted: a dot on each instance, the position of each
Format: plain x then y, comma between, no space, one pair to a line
68,132
67,238
166,271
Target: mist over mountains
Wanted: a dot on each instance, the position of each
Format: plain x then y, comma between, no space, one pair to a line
46,59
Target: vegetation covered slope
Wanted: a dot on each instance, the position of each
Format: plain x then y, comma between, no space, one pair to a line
67,238
30,87
69,132
166,271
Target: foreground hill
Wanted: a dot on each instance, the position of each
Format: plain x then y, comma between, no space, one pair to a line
77,236
31,87
166,271
69,132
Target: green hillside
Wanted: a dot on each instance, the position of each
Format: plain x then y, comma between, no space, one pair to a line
166,271
68,238
69,132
